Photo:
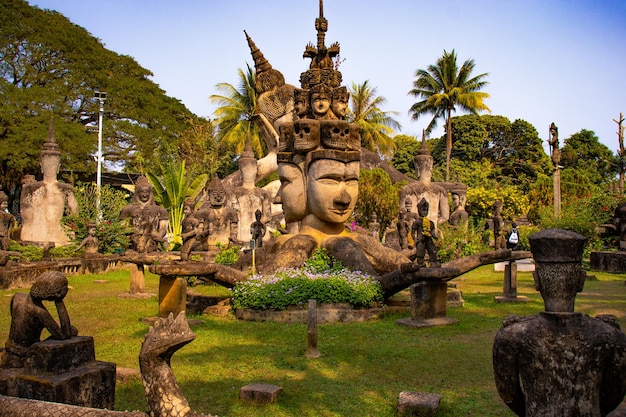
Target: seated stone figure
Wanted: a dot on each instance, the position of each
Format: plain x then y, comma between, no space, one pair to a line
90,242
149,221
29,317
435,194
559,362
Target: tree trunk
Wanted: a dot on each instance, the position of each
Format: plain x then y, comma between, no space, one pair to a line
448,143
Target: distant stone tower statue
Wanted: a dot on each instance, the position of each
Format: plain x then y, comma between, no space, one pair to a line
43,203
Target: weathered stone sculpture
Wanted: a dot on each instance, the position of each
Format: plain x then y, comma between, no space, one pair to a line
7,221
90,242
43,203
258,230
224,219
459,216
318,164
553,143
559,362
195,227
250,198
164,396
424,233
435,194
149,221
29,317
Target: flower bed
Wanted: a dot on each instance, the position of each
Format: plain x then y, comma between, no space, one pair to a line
294,287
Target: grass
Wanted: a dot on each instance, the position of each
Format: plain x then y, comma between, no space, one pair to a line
363,368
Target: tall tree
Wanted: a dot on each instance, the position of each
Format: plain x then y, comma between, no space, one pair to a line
584,152
50,66
376,126
235,113
444,87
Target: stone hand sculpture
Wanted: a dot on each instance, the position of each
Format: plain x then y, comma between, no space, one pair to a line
559,362
29,317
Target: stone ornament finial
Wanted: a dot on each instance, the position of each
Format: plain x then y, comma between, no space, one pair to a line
557,246
50,146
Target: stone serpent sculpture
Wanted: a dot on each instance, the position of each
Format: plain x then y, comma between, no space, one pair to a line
165,399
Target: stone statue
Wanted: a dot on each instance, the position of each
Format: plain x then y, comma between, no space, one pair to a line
559,362
7,221
195,226
374,225
29,317
339,102
424,234
618,225
498,222
409,217
553,142
258,229
91,243
224,219
148,220
436,195
404,229
249,197
459,216
318,165
43,203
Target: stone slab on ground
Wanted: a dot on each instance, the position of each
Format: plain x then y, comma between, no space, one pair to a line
608,261
523,265
260,393
516,299
123,375
432,322
418,404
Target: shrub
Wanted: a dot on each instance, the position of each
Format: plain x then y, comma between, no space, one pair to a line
457,243
322,278
227,255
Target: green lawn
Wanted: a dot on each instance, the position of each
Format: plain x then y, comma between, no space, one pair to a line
363,368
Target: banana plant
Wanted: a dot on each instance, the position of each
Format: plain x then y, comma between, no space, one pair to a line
171,188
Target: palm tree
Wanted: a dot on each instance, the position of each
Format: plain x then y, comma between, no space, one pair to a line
443,87
376,126
171,189
235,114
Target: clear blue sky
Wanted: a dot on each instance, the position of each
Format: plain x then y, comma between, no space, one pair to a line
548,60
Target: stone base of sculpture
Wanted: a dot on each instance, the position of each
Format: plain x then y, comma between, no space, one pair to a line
608,261
428,305
62,371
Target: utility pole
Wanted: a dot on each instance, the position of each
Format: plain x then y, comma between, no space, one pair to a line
101,96
620,152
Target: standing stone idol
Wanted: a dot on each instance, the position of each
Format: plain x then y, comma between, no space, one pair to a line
424,233
43,203
7,221
559,362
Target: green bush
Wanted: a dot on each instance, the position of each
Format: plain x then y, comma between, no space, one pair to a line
227,255
297,286
455,243
112,233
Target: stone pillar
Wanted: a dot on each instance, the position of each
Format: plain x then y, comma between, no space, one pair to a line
428,305
312,352
137,278
557,192
172,295
509,286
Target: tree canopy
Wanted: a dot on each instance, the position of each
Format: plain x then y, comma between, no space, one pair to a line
50,67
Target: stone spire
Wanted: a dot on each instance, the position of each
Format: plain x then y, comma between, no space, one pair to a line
50,146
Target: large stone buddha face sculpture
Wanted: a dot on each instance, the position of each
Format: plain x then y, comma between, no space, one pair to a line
332,191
